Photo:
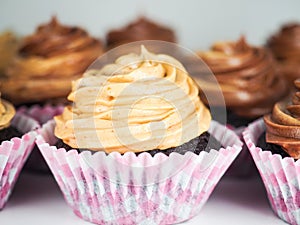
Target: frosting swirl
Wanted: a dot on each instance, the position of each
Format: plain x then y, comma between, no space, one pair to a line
7,112
285,46
141,29
48,61
8,48
283,125
128,101
247,78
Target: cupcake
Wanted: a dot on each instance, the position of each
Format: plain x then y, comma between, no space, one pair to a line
139,30
8,48
46,63
137,145
285,46
247,78
274,144
17,137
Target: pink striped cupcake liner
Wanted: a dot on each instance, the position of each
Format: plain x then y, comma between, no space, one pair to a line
243,166
42,114
129,189
281,176
13,154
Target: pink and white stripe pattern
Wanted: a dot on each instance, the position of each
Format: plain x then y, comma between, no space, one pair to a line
13,154
281,177
100,190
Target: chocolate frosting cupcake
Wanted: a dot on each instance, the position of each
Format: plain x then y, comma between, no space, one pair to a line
283,124
141,29
246,76
47,62
285,46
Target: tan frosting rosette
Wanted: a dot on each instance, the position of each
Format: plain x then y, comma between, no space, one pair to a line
47,62
7,113
8,49
285,45
139,30
246,75
283,124
138,103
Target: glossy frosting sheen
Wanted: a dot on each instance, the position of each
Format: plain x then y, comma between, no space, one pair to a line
142,29
7,112
283,125
246,75
285,46
139,103
48,61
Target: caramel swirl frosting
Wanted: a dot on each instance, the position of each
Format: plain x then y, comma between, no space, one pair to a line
48,61
142,29
7,112
283,125
246,76
140,102
285,46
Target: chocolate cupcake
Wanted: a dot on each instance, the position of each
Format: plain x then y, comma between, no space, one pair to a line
139,30
247,78
8,49
285,46
274,144
47,62
137,129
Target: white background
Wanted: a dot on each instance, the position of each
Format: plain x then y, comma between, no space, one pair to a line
198,23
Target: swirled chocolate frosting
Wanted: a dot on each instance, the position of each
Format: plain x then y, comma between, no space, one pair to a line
141,29
48,61
285,46
283,124
246,76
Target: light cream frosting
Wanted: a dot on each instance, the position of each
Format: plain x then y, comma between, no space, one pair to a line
140,102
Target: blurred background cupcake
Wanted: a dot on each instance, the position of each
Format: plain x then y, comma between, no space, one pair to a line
274,144
139,30
8,48
250,85
179,157
47,62
247,77
285,46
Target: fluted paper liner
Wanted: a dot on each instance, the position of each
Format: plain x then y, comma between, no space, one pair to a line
42,113
281,176
13,154
106,193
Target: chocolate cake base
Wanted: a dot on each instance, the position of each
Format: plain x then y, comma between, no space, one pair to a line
8,133
204,142
275,149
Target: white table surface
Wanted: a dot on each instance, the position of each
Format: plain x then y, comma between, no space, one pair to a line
37,200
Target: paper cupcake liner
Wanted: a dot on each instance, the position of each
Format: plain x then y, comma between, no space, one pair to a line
110,193
243,166
281,176
42,114
13,154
